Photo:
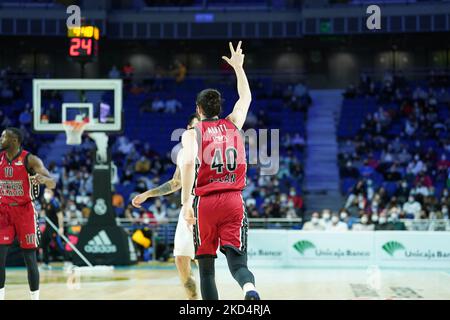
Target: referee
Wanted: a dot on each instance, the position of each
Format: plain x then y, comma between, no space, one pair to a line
51,209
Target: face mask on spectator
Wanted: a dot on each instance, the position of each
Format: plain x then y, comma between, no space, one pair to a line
326,216
364,220
374,218
394,217
410,199
292,193
444,210
72,207
382,220
47,196
315,220
404,184
335,219
283,198
344,215
445,193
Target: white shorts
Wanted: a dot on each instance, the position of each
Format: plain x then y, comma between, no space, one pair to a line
184,239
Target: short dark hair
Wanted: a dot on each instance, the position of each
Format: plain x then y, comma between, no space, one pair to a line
210,101
16,132
192,117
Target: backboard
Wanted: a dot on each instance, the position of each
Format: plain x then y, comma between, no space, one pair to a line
97,101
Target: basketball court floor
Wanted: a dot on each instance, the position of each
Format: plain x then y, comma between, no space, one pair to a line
157,281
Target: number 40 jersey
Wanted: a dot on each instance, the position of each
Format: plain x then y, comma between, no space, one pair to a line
221,162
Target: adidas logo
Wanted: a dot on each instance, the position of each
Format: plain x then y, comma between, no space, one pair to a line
100,244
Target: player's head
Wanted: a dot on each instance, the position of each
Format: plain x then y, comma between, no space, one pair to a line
11,137
193,120
209,103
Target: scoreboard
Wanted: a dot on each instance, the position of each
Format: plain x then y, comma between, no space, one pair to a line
83,43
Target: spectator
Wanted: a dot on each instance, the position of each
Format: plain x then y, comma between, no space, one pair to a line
364,224
412,208
114,73
159,211
383,223
336,225
73,215
25,116
142,165
158,105
314,223
396,223
180,71
326,218
172,105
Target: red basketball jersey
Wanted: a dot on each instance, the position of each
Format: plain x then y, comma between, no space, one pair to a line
221,161
15,185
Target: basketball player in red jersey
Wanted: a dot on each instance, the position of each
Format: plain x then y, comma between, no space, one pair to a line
20,176
214,168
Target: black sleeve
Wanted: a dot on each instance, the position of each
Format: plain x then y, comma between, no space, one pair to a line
29,170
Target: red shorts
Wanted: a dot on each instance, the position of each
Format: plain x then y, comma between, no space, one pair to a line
20,221
221,221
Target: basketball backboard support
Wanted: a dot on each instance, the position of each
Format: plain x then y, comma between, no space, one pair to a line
99,101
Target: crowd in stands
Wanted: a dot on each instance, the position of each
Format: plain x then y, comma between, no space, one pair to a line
398,162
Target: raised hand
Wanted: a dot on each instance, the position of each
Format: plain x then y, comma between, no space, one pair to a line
237,58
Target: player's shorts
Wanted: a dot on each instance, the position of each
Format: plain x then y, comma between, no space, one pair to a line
184,239
20,221
221,222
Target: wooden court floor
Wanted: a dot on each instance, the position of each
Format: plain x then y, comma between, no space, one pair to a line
160,282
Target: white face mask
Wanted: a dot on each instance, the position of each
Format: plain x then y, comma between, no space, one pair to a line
73,207
335,219
47,196
375,218
315,220
382,220
364,220
326,216
344,215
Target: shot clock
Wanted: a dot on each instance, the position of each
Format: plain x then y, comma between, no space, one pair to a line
83,43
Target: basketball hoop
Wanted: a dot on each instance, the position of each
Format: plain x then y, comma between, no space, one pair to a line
74,130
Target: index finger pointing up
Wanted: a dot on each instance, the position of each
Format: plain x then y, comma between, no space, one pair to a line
231,47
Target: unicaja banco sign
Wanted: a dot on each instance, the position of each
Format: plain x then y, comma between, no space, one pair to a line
397,249
310,249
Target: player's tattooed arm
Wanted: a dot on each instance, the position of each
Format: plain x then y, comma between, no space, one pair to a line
241,107
42,174
166,188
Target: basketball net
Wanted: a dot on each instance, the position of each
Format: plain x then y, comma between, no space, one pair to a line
74,130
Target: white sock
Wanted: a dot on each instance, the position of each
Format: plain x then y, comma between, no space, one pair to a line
34,295
249,287
2,294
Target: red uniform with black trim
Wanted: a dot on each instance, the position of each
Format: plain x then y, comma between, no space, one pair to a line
220,178
17,214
